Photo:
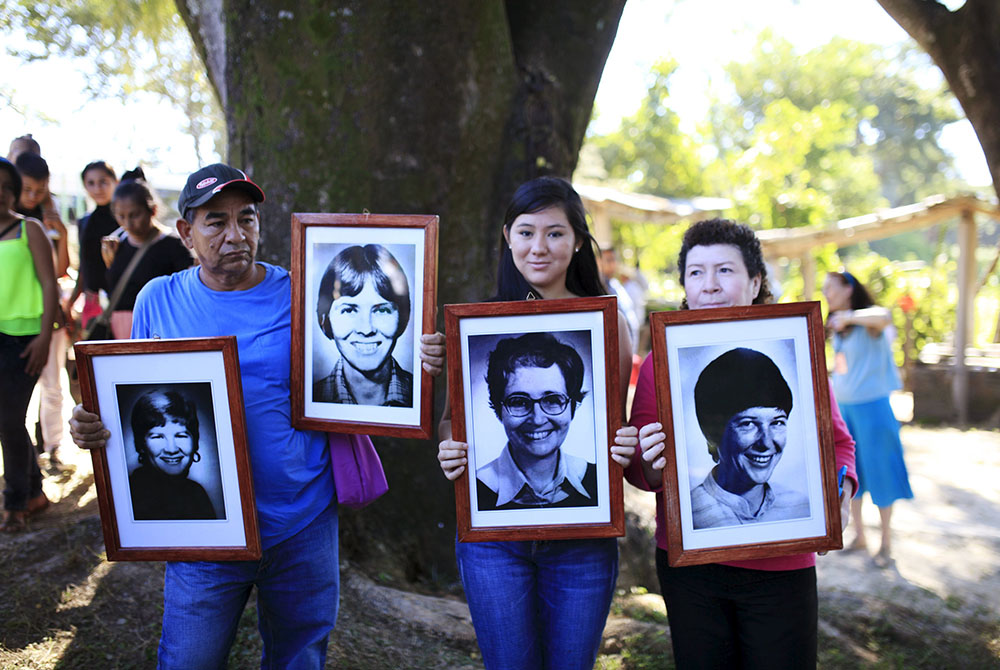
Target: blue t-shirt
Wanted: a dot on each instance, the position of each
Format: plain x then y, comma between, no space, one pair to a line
292,479
870,371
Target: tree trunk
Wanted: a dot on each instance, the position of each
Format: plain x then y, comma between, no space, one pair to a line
405,106
965,44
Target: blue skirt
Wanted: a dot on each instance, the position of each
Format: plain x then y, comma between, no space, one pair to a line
878,452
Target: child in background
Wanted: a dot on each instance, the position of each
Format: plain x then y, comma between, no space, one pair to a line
36,202
28,304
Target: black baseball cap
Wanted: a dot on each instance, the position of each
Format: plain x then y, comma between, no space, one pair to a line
210,180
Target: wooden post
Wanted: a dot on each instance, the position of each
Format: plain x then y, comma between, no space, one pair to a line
909,353
807,265
602,225
964,332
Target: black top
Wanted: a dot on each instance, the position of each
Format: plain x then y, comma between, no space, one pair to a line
33,213
488,497
157,497
92,228
167,256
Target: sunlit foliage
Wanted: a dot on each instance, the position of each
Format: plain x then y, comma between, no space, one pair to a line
125,47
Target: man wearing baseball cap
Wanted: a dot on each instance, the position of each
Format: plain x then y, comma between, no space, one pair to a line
230,293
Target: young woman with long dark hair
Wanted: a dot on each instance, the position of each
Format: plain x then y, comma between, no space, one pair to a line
541,605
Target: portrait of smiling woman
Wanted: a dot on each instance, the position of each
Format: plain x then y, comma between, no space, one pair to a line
166,434
363,306
742,403
535,385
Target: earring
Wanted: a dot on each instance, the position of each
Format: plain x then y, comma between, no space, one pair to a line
196,457
577,250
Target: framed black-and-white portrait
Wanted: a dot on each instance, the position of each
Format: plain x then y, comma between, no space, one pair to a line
534,391
742,395
173,482
363,291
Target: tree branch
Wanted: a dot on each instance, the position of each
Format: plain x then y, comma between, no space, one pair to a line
204,19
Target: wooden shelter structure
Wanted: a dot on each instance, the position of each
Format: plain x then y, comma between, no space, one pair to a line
800,242
604,204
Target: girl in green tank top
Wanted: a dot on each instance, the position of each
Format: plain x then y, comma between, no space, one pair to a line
28,303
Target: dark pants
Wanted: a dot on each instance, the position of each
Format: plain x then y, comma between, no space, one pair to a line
20,469
735,618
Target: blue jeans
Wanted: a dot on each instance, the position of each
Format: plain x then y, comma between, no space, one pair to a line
298,588
539,605
21,473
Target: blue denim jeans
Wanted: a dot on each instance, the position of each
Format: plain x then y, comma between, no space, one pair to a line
539,605
21,474
298,588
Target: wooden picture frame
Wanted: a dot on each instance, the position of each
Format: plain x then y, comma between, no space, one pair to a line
708,365
590,504
332,359
184,491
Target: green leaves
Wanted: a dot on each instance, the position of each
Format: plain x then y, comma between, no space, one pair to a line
891,98
799,167
649,152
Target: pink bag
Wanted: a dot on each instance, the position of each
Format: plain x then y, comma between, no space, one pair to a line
357,470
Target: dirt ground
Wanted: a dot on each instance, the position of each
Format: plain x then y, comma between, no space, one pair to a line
946,541
937,605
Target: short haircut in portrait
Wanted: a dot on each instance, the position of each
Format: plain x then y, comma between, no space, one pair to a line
171,451
349,336
494,358
720,382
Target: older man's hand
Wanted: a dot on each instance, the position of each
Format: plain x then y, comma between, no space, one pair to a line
87,430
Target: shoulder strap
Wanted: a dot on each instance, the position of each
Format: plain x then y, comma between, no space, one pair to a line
123,280
11,227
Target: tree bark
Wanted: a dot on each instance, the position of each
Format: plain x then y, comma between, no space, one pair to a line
965,44
404,106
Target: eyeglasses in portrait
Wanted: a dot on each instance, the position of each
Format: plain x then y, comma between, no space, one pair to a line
536,392
536,385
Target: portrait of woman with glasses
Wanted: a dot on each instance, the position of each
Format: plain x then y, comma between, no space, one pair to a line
535,385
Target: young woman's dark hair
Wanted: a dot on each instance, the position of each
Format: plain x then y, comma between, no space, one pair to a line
860,297
103,167
582,276
133,186
723,231
33,166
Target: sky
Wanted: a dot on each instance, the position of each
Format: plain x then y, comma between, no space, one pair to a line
701,35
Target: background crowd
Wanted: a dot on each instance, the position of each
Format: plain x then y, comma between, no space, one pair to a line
120,246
